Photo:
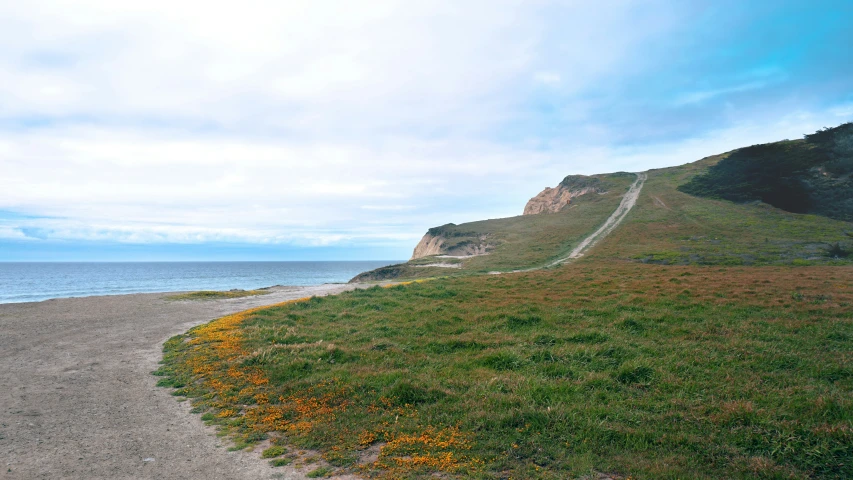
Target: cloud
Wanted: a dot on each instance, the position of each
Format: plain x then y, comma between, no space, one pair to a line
548,78
704,95
844,111
756,79
109,184
388,208
326,70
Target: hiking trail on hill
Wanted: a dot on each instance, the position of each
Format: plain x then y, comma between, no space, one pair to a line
612,222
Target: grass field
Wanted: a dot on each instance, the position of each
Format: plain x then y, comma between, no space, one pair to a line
636,370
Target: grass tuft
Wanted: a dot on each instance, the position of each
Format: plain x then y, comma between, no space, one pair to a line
280,462
635,375
274,451
404,393
319,472
216,295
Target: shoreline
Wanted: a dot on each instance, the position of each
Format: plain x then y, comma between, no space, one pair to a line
78,399
28,282
171,292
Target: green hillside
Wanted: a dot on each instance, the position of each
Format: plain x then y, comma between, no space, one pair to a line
524,241
784,203
672,227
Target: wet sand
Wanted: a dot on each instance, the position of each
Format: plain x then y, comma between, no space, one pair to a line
77,399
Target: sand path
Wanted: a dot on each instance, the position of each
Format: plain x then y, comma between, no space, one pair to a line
77,399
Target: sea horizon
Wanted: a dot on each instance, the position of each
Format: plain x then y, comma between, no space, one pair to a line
34,281
196,261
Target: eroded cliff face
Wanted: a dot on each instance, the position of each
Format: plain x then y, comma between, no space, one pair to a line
471,250
429,245
552,200
439,245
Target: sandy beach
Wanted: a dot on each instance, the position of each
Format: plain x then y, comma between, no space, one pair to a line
77,399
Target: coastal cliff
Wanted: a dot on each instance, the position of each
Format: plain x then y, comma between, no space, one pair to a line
450,240
552,200
429,245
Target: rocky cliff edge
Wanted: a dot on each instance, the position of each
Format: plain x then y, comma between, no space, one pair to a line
447,240
552,200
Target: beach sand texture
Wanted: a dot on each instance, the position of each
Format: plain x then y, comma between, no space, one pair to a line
77,399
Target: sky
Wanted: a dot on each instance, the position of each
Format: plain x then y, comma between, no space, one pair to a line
342,130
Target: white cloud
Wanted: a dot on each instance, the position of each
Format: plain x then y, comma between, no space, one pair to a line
388,208
844,111
755,79
703,95
548,78
320,70
102,185
146,188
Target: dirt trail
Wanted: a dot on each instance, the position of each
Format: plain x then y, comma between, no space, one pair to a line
609,225
77,398
612,222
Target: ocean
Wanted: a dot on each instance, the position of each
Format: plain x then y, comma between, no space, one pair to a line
32,282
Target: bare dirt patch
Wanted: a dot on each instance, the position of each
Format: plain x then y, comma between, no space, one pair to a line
440,265
77,399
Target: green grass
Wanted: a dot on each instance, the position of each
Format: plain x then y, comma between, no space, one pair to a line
216,295
319,472
280,462
622,368
274,451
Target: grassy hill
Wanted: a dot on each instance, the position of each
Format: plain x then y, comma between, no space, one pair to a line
670,226
524,241
785,203
704,338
